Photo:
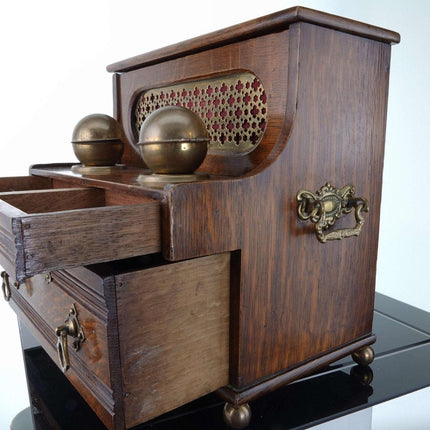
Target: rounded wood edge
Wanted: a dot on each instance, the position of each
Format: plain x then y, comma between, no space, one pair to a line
256,27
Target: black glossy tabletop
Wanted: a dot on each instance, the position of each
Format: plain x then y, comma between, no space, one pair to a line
401,365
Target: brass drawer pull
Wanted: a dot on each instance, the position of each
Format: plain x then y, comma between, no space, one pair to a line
5,286
71,327
327,205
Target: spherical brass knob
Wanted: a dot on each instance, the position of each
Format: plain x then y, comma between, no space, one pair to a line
97,127
173,140
364,356
237,417
98,140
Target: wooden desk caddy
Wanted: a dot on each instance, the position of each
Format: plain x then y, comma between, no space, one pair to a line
149,296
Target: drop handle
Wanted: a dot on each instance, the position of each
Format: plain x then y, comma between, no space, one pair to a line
72,328
5,286
327,205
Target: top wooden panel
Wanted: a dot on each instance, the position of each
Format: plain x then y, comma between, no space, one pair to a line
268,24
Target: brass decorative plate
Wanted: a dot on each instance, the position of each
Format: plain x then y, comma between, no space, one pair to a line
327,205
233,108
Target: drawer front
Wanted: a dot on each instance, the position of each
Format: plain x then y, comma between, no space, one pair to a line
43,303
173,323
49,229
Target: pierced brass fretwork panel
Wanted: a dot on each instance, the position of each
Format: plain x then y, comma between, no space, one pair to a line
233,108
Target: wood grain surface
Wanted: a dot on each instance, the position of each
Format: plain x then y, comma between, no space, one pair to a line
87,236
43,306
273,23
71,227
173,323
22,183
250,299
298,298
255,54
44,201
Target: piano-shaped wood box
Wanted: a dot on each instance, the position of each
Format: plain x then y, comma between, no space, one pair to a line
149,294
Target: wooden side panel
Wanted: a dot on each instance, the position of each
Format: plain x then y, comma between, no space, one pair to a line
321,296
297,298
174,334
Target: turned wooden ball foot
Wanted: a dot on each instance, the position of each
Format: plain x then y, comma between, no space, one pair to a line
237,417
363,356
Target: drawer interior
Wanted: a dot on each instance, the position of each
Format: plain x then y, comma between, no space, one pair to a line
63,199
21,183
57,228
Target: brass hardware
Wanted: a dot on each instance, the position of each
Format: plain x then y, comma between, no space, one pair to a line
327,205
237,417
97,170
98,140
364,356
233,108
5,286
96,128
72,328
160,181
173,140
103,153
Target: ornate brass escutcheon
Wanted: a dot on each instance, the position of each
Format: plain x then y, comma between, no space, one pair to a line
327,205
71,327
5,286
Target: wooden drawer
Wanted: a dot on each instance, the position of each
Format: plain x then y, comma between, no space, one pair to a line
156,333
173,325
43,229
43,303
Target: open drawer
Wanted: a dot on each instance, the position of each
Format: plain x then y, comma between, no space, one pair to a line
44,229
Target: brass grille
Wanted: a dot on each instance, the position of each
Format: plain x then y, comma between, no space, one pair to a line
233,108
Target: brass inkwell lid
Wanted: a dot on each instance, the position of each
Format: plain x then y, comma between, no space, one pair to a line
98,143
173,142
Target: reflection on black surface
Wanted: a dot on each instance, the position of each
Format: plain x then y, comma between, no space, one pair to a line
402,365
310,401
292,406
57,405
402,312
362,374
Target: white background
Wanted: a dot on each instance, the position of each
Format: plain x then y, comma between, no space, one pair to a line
52,66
